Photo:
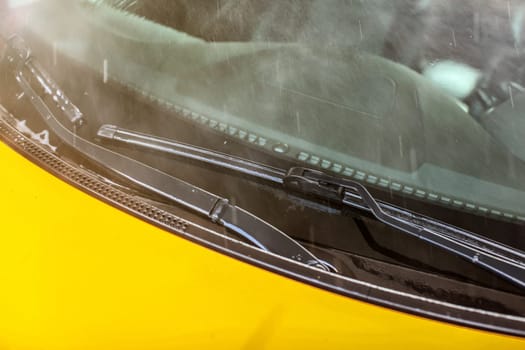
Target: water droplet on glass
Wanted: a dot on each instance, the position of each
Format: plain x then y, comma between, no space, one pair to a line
280,148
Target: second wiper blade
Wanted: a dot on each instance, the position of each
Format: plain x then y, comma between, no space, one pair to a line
39,87
114,133
502,260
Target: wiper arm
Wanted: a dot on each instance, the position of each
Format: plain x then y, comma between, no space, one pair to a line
506,262
502,260
218,209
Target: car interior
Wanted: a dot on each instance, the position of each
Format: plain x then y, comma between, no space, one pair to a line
404,96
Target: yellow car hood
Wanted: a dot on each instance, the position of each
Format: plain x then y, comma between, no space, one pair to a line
77,273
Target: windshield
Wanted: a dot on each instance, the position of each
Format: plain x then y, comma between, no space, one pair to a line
335,134
423,98
347,138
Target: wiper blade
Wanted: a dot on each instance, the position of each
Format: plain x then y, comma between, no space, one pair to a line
155,143
502,260
31,78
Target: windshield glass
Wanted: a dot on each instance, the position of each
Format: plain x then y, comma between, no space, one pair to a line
373,142
420,98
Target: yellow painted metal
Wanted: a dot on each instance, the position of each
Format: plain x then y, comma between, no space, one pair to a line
76,273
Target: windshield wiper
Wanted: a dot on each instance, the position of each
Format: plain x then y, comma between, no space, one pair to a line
32,78
502,260
222,160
